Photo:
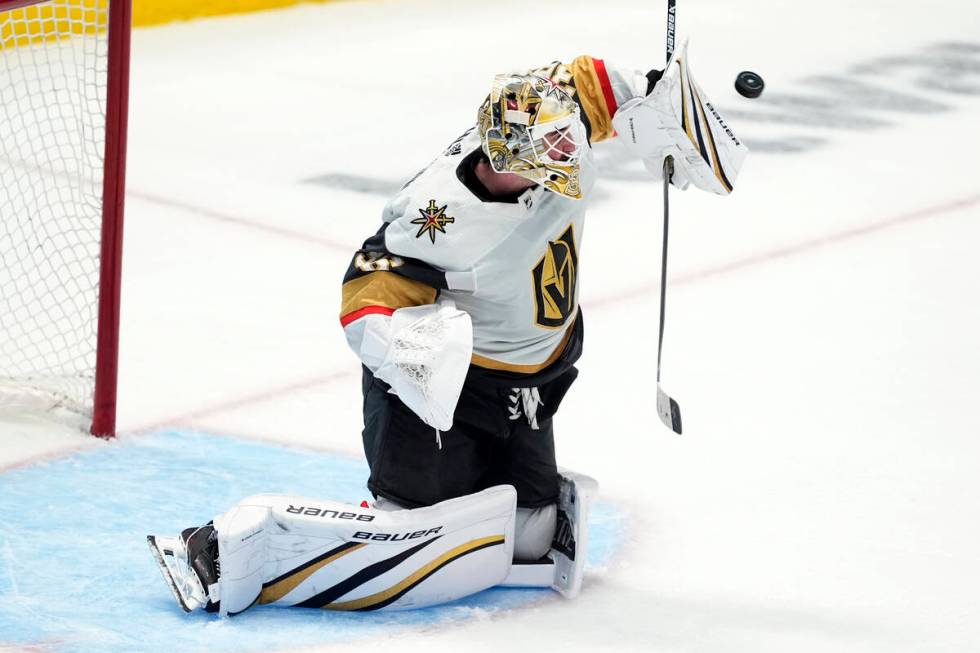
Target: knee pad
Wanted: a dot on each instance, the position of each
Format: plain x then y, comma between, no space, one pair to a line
534,530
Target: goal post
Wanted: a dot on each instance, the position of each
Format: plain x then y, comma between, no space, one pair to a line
64,78
113,202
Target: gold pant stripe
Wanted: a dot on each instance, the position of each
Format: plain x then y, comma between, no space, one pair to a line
283,587
393,592
384,289
592,98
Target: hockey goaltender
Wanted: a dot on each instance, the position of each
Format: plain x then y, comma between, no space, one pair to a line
463,309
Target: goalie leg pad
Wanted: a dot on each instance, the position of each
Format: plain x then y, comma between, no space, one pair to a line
325,554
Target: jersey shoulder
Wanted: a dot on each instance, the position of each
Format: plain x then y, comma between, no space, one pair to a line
437,219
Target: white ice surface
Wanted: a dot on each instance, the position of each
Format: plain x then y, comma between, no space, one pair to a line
822,322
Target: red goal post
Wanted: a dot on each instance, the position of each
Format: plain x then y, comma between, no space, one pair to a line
64,76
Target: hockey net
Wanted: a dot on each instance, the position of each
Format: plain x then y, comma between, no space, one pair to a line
63,86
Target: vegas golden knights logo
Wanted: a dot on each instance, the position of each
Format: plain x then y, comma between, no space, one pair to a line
433,219
555,279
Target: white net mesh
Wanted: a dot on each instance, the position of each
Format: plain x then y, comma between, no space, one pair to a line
53,69
414,349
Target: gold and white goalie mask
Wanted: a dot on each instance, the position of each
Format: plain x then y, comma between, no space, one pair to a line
530,127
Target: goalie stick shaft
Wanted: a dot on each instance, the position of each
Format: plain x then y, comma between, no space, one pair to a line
668,409
668,171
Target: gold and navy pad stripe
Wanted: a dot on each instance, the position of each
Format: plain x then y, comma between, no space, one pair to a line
387,597
715,160
279,587
328,598
692,113
331,594
378,281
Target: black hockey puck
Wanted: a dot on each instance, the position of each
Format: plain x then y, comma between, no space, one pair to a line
749,84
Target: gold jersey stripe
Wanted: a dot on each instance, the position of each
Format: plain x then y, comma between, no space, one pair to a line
384,289
493,364
278,590
416,577
590,94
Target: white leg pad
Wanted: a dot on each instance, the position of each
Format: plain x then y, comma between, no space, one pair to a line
315,553
243,540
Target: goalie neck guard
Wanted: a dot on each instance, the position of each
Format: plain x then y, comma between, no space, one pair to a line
530,127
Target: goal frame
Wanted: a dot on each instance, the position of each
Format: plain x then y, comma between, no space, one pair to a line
113,204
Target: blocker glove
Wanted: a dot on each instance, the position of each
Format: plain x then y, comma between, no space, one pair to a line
676,119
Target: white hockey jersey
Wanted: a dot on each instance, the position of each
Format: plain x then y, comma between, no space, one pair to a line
512,266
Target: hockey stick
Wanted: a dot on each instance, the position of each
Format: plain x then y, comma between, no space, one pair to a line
667,408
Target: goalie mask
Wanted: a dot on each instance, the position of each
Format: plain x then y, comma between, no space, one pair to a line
531,127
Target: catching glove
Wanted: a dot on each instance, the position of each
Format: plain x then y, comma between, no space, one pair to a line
676,119
427,359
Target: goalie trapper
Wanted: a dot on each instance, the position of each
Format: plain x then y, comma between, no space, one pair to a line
189,564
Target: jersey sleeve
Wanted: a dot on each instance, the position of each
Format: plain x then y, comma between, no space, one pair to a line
598,87
378,282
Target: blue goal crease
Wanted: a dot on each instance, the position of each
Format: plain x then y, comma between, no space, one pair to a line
76,575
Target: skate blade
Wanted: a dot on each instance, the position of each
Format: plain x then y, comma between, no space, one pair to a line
182,581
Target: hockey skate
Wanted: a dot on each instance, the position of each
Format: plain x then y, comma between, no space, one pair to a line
571,543
562,568
189,564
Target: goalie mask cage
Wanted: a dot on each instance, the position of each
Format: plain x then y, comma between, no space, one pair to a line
64,71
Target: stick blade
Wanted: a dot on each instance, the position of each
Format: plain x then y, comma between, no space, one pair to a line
669,411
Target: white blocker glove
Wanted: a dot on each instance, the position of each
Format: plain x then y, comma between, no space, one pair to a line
427,358
677,120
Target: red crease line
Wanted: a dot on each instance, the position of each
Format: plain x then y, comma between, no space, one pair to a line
243,222
793,249
248,400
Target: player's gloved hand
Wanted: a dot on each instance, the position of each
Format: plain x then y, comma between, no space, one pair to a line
428,355
676,119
